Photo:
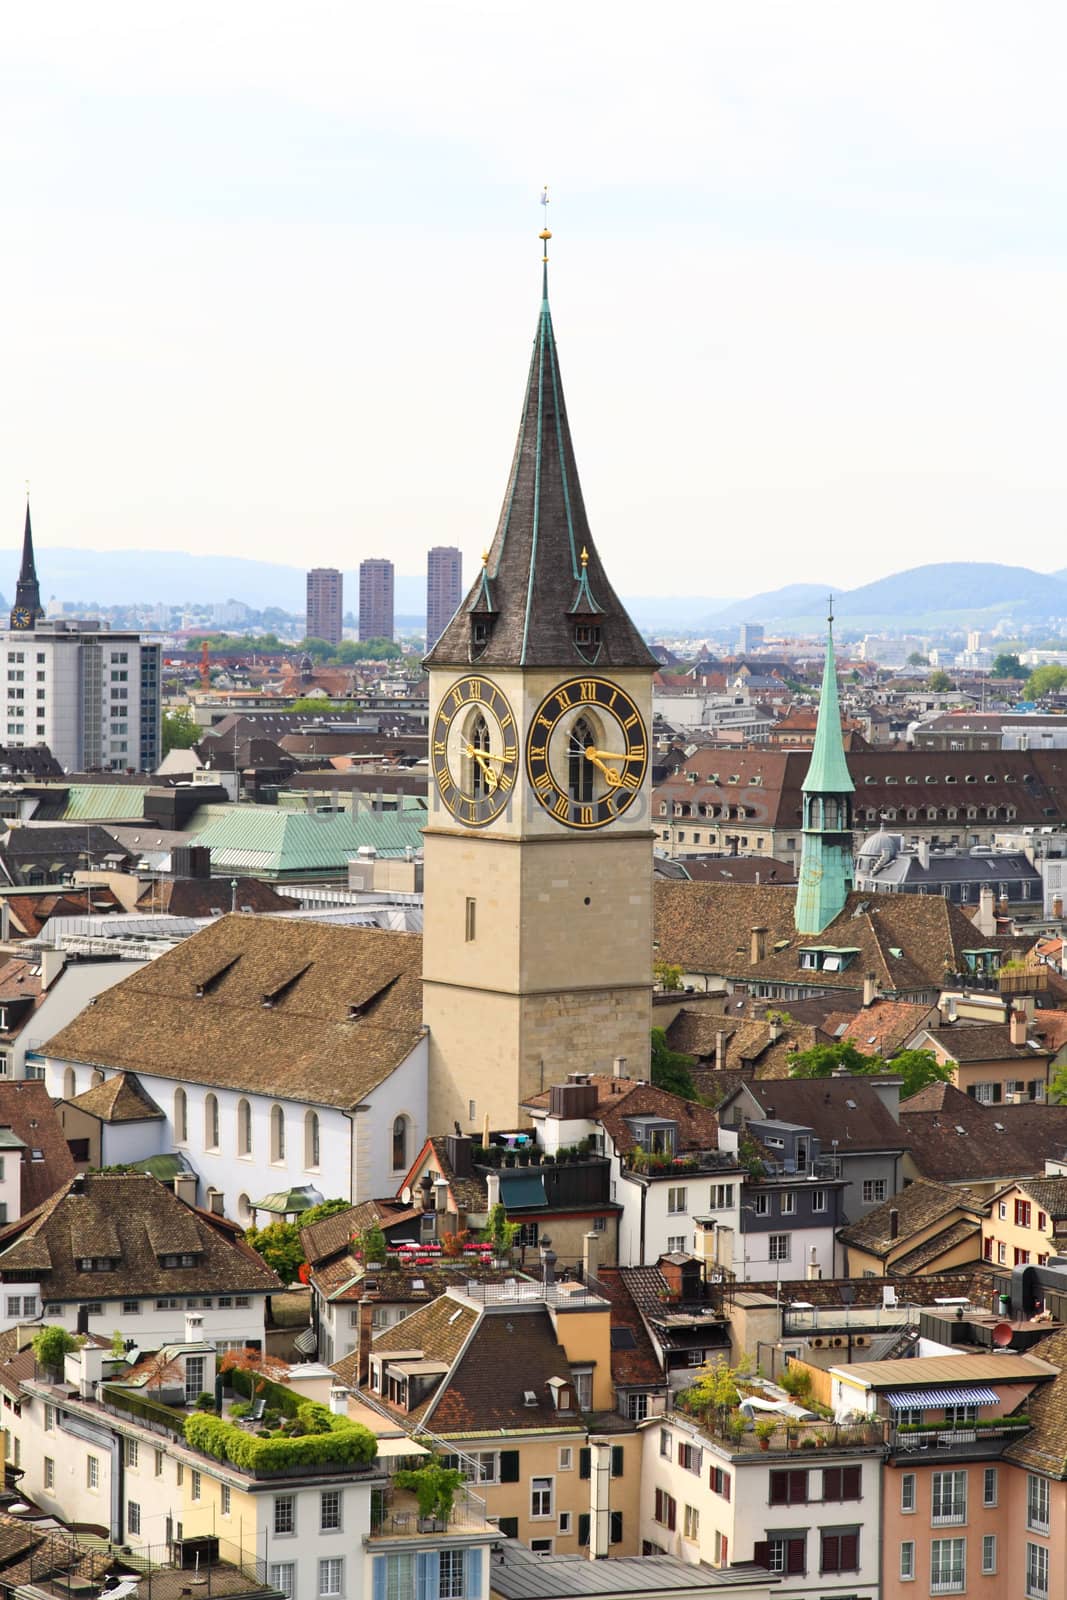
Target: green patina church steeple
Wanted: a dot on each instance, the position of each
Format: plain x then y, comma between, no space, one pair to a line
826,855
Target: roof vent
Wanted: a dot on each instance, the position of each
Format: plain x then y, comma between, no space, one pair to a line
529,1397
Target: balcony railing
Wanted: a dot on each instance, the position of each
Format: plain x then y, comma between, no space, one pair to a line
526,1291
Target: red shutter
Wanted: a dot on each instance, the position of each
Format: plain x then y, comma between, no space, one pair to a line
779,1489
725,1548
831,1483
725,1491
850,1552
794,1558
671,1513
798,1488
851,1483
761,1554
830,1554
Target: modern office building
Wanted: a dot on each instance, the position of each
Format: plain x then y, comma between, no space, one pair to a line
325,604
376,599
91,695
444,589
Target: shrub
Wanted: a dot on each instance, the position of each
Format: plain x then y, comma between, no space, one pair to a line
240,1408
51,1344
766,1428
796,1381
344,1443
434,1487
205,1401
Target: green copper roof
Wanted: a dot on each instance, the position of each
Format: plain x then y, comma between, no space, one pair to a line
268,841
828,770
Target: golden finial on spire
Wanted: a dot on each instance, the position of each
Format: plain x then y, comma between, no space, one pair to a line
485,558
585,556
545,234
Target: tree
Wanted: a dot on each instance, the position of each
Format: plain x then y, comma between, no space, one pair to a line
917,1068
180,732
670,1069
51,1344
279,1245
500,1233
261,1367
372,1244
917,659
164,1367
939,682
1007,666
1043,681
668,977
325,1208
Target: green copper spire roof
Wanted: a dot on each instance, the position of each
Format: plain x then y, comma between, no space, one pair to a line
828,770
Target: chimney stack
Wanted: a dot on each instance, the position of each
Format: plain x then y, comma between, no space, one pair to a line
590,1256
894,1222
758,945
720,1049
194,1327
1017,1027
870,989
492,1189
365,1333
185,1187
923,852
618,1067
339,1401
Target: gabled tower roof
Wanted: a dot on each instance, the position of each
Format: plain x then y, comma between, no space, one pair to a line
828,770
543,573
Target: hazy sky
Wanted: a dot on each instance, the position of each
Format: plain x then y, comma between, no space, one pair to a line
270,275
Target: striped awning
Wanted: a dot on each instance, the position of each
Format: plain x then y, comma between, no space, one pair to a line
916,1399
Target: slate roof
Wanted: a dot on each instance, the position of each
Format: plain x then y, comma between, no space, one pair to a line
26,1108
134,1220
536,579
919,1206
737,869
118,1099
197,1014
706,928
619,1098
847,1109
55,851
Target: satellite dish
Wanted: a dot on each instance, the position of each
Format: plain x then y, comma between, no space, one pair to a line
405,1194
1003,1334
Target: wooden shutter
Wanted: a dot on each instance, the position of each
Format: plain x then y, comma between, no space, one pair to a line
583,1528
584,1459
761,1554
849,1552
672,1513
779,1489
616,1527
616,1460
509,1466
794,1555
851,1483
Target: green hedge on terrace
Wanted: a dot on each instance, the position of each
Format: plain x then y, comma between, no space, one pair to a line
344,1443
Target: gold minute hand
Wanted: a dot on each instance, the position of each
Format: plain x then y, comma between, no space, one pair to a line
483,761
594,755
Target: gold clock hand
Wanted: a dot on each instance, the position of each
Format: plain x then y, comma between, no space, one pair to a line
482,760
594,755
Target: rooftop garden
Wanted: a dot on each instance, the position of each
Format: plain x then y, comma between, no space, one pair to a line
313,1437
714,1400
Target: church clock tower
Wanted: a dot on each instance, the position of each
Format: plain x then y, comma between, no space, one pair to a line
27,610
538,856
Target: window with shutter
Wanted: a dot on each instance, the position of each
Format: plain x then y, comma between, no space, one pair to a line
584,1459
509,1527
616,1527
509,1466
583,1528
616,1460
795,1555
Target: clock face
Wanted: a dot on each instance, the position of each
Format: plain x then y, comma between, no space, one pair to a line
587,752
21,617
475,751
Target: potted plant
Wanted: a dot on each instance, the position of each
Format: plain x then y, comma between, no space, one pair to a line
765,1430
434,1487
50,1346
792,1434
735,1427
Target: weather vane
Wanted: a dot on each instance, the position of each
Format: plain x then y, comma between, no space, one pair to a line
830,618
545,234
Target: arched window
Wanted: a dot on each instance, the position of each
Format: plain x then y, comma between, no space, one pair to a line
97,1077
277,1133
579,770
311,1139
70,1084
181,1116
479,740
244,1209
211,1122
244,1128
400,1144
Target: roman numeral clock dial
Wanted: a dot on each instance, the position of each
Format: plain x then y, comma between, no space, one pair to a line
587,753
474,749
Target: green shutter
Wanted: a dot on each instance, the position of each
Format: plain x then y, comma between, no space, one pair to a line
509,1527
616,1460
616,1527
509,1466
583,1528
584,1463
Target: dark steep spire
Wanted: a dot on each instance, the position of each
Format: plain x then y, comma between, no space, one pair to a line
27,590
543,598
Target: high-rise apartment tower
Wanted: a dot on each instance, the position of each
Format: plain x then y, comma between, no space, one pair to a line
444,589
376,599
325,604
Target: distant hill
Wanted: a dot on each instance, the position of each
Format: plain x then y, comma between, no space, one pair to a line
670,611
794,599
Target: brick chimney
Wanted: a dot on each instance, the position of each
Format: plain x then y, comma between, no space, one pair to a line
870,989
894,1222
672,1273
590,1256
720,1049
1017,1027
757,945
364,1333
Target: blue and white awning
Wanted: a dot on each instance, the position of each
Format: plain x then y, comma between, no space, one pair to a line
917,1399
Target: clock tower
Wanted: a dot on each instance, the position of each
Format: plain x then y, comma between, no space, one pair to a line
538,854
27,609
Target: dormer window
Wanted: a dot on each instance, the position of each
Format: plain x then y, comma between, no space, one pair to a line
587,635
479,633
97,1263
184,1260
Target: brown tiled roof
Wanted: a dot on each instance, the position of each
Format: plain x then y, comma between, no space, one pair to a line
706,928
637,1364
30,912
342,1280
919,1206
757,1048
939,1244
302,1010
984,1041
842,1108
470,1194
26,1108
1045,1446
507,1356
989,1146
1050,1194
134,1219
435,1329
1050,1028
619,1098
738,869
118,1099
333,1234
881,1029
202,897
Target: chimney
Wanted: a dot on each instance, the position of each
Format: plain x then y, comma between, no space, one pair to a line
548,1266
950,1008
426,1192
458,1146
618,1067
986,920
185,1187
599,1499
52,963
894,1222
757,945
5,920
720,1049
590,1256
440,1195
870,989
194,1327
1017,1025
339,1401
492,1189
923,853
774,1029
365,1333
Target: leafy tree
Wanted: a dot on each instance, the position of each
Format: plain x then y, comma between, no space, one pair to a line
372,1244
917,1068
279,1245
670,1069
939,682
259,1364
180,732
51,1344
164,1368
1007,666
1045,680
917,659
715,1390
325,1208
500,1233
666,975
